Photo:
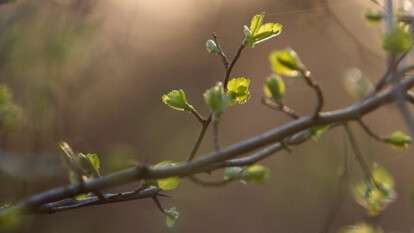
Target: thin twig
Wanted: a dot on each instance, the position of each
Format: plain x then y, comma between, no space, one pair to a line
368,130
198,116
199,139
340,193
281,107
360,158
216,136
315,86
222,54
233,62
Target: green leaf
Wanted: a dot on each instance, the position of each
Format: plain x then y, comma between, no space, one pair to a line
238,90
373,16
361,228
317,131
274,88
356,84
372,198
259,32
217,100
256,174
169,183
398,41
212,47
90,163
171,216
399,139
176,99
286,62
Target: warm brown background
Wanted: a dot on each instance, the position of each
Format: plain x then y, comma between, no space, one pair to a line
92,73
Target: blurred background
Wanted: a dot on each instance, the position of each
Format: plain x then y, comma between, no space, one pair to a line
92,73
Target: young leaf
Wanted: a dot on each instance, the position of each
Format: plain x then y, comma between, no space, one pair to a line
256,174
176,99
90,164
372,198
274,88
259,32
169,183
217,100
398,139
398,41
212,47
171,216
238,90
286,62
10,221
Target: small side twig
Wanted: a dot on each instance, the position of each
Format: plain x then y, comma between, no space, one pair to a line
368,130
198,116
216,136
280,107
222,54
315,86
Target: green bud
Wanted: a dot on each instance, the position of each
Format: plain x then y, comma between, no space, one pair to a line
274,88
217,100
212,47
399,139
176,99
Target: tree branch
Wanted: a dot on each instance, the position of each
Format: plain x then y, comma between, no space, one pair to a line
353,112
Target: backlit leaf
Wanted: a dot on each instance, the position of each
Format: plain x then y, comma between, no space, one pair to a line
286,63
274,88
238,90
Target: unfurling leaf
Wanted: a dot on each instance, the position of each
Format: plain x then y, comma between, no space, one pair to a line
217,100
212,47
274,88
398,139
356,84
177,100
375,197
90,164
286,63
169,183
373,16
255,174
238,90
398,41
171,216
361,228
259,32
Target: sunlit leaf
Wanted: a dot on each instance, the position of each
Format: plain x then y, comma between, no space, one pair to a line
274,88
176,99
171,216
361,228
286,62
238,90
169,183
398,41
356,84
399,139
373,198
259,32
217,100
212,47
